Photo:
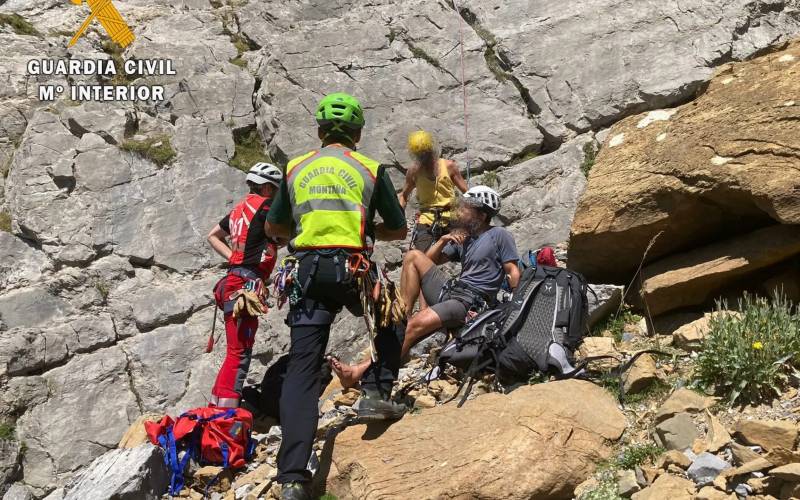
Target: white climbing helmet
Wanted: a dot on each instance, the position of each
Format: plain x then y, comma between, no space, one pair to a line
484,197
261,173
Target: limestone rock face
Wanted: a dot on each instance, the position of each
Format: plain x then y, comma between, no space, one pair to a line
721,166
536,442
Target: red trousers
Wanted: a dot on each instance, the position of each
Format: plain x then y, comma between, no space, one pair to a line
240,335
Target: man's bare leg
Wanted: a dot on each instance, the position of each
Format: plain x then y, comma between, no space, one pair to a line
421,325
415,265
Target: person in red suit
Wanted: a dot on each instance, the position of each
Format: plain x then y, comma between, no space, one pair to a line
251,256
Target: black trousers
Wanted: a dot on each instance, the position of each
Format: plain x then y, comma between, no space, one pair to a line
329,289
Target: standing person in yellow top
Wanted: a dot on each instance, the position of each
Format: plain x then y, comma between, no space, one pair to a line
435,180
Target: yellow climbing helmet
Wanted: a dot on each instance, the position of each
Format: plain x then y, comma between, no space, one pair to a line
420,142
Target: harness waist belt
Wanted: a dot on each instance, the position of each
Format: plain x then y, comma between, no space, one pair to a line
244,272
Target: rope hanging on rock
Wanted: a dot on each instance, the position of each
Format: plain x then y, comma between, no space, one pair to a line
463,91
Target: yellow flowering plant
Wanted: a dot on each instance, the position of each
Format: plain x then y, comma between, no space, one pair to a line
752,354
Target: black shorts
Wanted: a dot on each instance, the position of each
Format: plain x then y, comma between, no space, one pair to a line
423,236
452,312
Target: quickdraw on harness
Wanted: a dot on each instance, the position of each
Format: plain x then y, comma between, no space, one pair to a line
380,297
286,285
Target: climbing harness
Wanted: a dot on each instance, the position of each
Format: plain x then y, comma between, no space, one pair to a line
286,286
438,226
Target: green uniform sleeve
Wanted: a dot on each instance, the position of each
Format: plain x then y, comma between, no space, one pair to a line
385,202
280,212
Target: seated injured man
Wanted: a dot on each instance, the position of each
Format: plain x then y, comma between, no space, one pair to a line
487,254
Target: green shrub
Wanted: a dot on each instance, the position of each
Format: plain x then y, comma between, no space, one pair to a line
606,490
6,431
636,455
328,496
248,150
616,324
19,24
589,156
751,354
5,222
490,179
156,149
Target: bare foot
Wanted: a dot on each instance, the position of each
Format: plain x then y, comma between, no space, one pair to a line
349,375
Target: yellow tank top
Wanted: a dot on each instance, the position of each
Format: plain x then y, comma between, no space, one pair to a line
435,193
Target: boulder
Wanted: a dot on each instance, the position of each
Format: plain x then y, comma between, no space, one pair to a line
717,436
603,302
123,473
780,456
708,171
790,491
667,486
680,401
705,468
9,460
788,472
691,278
768,434
743,454
689,336
673,457
711,493
641,374
538,441
18,491
676,433
626,483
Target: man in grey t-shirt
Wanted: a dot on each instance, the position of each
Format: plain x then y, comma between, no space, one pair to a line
486,253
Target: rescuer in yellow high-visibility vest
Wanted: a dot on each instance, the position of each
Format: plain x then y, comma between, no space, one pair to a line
325,208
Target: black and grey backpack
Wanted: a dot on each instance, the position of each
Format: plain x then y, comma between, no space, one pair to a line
537,331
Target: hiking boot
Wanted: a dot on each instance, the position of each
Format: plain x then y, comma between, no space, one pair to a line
294,491
372,407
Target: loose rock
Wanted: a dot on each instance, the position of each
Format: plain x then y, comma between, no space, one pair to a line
676,433
667,486
680,401
768,434
705,468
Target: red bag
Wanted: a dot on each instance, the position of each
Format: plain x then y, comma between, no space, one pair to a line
210,435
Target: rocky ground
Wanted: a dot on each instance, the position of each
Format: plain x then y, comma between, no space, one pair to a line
546,439
105,279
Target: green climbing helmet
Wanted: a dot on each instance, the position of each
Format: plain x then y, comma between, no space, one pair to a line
339,111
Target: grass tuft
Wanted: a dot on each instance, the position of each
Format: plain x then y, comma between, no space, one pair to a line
589,156
490,179
5,222
6,431
420,53
636,455
114,50
248,150
19,24
156,149
753,355
615,324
